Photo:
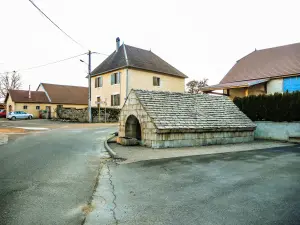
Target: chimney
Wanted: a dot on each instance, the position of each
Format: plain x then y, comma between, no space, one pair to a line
117,43
29,93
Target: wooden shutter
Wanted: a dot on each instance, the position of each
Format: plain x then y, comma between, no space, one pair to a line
112,79
118,99
112,100
118,77
96,82
156,81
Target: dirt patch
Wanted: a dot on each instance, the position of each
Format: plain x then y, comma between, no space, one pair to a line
11,130
87,208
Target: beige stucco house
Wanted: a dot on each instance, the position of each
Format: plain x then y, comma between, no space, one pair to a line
266,71
131,68
47,97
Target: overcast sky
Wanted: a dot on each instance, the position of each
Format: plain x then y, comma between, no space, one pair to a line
200,38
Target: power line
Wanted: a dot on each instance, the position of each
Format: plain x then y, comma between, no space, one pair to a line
47,64
56,25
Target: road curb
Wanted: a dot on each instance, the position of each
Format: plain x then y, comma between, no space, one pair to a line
108,149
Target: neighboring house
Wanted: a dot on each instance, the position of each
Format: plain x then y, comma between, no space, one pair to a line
2,106
131,68
265,71
47,97
166,119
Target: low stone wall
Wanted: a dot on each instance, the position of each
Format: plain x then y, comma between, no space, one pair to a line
81,115
281,131
72,114
174,140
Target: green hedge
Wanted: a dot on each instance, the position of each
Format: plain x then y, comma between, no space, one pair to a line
277,107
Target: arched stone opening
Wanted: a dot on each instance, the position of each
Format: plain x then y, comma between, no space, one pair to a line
133,127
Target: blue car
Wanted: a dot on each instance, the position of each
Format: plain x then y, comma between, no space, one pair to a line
19,115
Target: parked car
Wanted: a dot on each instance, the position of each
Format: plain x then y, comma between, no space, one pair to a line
19,115
2,113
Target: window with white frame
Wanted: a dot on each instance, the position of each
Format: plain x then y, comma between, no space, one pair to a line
115,78
115,100
156,81
98,82
37,107
24,106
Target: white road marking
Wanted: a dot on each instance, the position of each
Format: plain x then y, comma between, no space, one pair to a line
33,128
100,131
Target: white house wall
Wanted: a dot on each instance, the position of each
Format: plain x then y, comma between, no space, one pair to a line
274,86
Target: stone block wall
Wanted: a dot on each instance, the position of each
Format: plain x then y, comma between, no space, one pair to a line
81,115
133,107
175,140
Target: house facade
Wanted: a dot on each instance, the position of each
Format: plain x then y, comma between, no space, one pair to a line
172,119
47,97
28,101
131,68
266,71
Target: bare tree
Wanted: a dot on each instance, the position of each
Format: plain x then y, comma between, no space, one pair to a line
9,80
194,86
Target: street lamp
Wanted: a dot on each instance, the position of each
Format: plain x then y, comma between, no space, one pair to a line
89,86
83,61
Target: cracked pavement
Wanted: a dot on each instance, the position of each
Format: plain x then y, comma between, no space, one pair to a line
47,177
254,187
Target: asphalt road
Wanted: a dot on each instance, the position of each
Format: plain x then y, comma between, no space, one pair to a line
46,178
242,188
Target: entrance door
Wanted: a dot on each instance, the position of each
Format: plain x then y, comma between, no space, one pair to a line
48,108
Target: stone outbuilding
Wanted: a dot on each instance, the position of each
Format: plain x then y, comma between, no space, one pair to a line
168,119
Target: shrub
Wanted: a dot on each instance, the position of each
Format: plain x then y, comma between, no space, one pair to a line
277,107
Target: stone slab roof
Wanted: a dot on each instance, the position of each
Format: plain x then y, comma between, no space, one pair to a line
193,112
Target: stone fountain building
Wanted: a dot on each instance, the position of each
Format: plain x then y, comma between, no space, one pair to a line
168,119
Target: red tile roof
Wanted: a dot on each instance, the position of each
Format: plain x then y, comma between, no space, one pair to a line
23,96
238,84
66,94
266,63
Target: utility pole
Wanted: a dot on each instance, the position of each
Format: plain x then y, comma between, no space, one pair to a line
89,101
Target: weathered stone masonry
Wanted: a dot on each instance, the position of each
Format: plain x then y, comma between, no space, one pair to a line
185,134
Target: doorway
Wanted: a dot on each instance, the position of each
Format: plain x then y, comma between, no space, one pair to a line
48,109
133,127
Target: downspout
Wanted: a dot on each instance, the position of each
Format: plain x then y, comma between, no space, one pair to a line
127,74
